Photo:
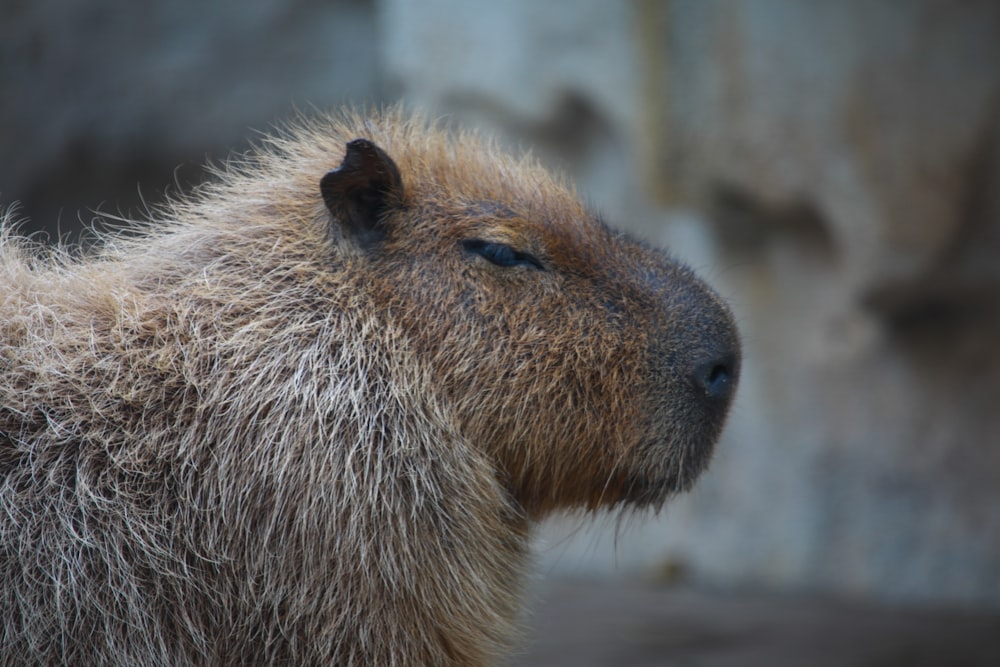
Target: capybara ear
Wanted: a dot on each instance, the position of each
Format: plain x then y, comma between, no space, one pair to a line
361,189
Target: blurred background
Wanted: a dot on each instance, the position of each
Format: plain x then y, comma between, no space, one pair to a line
832,168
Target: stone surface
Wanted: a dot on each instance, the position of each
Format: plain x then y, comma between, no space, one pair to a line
832,167
102,102
882,118
584,623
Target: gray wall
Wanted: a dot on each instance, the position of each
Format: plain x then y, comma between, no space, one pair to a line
834,168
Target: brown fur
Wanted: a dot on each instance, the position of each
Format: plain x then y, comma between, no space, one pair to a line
254,436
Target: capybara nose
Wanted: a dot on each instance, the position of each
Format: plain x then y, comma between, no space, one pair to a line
716,376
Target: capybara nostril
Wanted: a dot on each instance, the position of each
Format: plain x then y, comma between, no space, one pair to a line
716,376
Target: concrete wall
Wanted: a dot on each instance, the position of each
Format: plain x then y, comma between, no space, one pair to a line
834,168
111,103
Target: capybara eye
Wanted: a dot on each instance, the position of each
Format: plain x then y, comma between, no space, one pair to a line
502,254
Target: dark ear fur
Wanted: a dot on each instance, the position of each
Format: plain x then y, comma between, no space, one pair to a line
359,191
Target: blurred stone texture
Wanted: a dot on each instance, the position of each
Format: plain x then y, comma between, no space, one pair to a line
833,168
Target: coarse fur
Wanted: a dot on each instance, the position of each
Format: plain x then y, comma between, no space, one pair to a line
271,430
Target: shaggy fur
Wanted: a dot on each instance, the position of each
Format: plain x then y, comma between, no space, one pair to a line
255,436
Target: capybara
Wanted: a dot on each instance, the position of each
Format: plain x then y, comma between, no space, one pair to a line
310,412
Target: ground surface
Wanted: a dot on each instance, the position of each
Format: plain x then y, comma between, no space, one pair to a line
601,623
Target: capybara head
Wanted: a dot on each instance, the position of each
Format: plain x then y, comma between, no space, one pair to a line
592,369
